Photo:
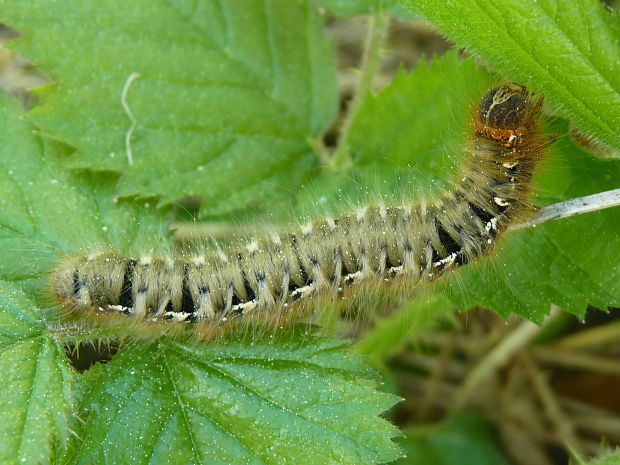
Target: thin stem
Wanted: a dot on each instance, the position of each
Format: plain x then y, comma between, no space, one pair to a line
497,357
564,429
378,26
132,77
589,203
577,360
319,148
599,335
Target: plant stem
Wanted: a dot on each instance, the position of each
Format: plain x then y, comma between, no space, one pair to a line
132,77
599,335
497,357
589,203
564,429
378,25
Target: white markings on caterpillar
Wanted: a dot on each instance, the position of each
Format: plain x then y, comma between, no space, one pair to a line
205,308
94,256
382,212
491,225
501,202
198,260
275,238
449,260
245,307
252,247
116,308
179,317
406,210
423,207
302,292
306,229
350,278
510,164
396,270
220,253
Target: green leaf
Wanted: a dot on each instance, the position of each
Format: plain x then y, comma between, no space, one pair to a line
36,398
414,124
463,440
389,335
230,94
606,456
281,401
611,458
398,148
568,49
46,213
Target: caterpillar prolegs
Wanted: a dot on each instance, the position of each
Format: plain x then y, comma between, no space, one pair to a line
275,275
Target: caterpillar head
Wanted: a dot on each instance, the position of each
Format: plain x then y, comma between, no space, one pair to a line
507,112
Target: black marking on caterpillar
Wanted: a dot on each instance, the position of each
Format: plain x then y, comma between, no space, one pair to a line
272,275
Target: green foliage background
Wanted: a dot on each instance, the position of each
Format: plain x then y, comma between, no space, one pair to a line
231,103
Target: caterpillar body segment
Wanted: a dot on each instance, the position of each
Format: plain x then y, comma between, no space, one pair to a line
273,276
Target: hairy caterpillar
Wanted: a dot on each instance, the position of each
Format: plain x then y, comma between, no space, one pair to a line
275,275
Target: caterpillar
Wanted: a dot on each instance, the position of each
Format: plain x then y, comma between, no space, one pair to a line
274,276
